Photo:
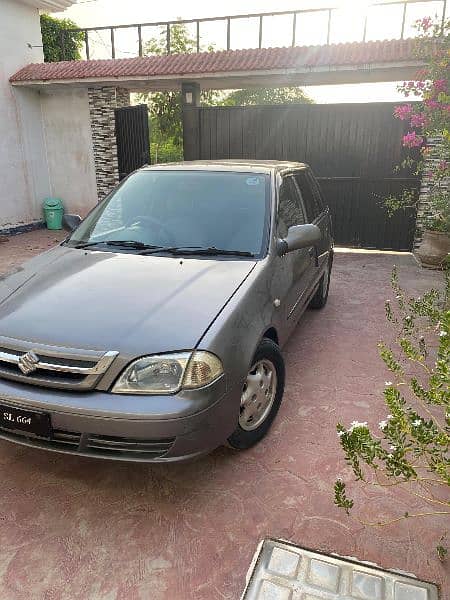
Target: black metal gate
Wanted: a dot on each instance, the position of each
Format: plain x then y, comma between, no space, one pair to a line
352,148
132,137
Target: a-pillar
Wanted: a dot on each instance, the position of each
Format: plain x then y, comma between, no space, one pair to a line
102,103
190,93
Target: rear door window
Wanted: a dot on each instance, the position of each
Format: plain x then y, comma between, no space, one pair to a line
310,194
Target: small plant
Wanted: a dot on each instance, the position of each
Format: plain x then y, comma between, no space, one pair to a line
411,447
442,551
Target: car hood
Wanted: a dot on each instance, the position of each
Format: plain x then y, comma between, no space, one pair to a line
117,301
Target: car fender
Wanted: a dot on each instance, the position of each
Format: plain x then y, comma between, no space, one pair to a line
237,330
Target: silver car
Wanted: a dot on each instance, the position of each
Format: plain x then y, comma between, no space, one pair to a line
153,332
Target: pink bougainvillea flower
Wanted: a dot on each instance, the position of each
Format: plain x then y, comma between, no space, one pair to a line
425,24
442,165
419,120
430,103
440,85
412,140
403,111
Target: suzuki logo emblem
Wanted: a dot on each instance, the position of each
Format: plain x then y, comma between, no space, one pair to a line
28,363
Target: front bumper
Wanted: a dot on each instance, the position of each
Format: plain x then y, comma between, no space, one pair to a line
121,427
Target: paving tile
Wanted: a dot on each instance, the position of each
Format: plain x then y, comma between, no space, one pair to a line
324,575
283,562
273,591
367,587
406,591
284,571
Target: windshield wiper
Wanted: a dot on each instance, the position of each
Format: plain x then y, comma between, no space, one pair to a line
121,243
197,251
81,244
131,244
146,249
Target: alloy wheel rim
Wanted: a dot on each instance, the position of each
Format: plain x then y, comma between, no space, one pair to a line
258,395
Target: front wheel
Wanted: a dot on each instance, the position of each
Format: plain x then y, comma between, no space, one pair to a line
261,396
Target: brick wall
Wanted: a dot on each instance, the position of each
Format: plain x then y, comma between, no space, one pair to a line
102,102
424,209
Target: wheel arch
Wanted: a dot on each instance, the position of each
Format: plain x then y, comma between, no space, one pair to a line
272,334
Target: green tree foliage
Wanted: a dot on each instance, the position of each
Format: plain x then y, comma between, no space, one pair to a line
51,29
165,107
282,95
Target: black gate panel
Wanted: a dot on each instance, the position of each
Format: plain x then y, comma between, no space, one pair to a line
132,137
359,218
352,148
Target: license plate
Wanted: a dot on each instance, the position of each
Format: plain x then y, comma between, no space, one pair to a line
25,420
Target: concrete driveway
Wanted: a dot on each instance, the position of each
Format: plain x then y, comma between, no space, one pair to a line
81,529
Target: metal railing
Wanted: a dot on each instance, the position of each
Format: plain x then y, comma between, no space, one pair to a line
229,19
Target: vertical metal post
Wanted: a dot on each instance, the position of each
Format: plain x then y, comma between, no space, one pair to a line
113,50
63,44
365,28
86,43
228,33
444,10
294,28
140,39
329,27
403,21
198,36
168,38
260,30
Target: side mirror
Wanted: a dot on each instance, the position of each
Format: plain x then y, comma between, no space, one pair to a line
299,236
71,222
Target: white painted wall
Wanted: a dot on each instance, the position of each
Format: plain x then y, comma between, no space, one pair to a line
68,142
19,25
45,141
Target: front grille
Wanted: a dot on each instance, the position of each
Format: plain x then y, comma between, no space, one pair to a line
10,371
128,446
94,444
52,366
66,438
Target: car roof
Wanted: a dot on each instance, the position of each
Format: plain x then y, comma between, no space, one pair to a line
243,165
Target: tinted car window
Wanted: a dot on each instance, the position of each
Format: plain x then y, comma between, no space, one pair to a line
317,192
310,194
223,209
290,209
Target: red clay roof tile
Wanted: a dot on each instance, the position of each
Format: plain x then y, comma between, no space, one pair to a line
226,61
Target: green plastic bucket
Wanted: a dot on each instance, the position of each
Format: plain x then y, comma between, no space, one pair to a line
53,213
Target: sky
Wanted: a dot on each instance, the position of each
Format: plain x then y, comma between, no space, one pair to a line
384,22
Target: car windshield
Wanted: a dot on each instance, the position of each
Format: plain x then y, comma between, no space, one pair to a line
182,209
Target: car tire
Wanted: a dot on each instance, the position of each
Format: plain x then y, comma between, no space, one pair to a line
261,396
321,296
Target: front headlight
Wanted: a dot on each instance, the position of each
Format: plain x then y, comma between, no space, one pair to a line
168,373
